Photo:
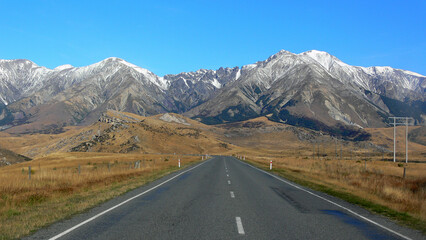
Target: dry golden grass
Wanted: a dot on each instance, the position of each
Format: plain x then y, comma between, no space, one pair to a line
365,176
57,190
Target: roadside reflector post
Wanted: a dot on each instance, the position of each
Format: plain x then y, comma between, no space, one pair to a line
202,158
179,162
270,165
403,176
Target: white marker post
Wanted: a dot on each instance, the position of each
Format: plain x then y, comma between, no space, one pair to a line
179,162
270,165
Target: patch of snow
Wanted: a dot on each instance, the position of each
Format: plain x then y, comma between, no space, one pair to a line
238,74
63,67
412,73
249,66
184,80
216,83
3,100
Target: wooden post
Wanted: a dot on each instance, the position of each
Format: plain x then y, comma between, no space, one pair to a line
313,151
403,176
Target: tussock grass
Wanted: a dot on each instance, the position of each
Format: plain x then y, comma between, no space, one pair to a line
57,190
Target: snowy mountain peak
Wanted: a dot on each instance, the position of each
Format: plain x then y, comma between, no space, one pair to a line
282,52
279,54
323,58
113,59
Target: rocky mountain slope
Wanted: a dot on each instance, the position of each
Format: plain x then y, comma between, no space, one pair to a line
318,91
312,89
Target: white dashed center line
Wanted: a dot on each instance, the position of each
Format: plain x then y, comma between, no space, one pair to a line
229,182
232,194
227,175
239,225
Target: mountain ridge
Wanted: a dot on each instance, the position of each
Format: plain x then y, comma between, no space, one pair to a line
313,86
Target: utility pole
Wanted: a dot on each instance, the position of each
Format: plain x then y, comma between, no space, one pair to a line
399,121
406,141
394,139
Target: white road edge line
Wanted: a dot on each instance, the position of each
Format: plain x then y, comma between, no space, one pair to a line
232,194
116,206
336,204
229,182
239,225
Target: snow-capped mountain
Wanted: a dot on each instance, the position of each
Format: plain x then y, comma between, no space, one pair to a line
191,89
374,79
46,98
313,89
316,90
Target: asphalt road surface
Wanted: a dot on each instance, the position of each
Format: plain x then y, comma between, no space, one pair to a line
224,198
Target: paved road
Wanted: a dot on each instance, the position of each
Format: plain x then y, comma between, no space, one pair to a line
224,198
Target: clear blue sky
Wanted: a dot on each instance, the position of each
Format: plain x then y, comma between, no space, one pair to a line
177,36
